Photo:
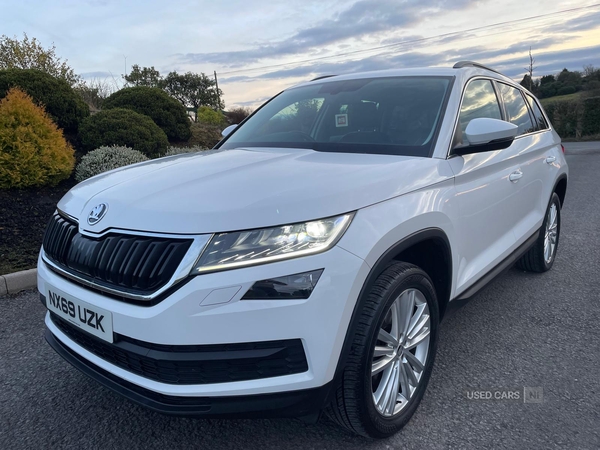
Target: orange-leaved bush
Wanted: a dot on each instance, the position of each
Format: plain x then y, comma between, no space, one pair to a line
33,150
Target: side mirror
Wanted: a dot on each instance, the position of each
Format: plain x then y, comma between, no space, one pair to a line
485,135
227,131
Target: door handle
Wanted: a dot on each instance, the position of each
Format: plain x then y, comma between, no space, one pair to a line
550,159
515,176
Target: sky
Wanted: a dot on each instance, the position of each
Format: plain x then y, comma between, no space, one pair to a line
259,47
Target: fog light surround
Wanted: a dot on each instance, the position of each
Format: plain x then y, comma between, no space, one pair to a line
298,286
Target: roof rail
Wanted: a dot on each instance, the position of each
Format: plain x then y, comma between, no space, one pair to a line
323,76
461,64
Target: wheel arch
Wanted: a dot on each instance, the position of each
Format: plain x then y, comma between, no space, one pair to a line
412,249
560,187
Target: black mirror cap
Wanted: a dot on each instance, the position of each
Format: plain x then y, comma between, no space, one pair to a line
497,144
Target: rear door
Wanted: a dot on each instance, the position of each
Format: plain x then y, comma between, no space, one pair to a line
486,196
528,152
548,165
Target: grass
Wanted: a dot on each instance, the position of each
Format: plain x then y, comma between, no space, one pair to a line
560,98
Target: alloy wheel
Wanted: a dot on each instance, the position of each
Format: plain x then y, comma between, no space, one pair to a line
551,234
401,351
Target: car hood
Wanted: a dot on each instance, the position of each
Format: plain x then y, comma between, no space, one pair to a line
228,190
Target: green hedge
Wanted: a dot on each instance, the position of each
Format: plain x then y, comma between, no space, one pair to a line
66,108
565,117
575,118
164,110
123,127
590,123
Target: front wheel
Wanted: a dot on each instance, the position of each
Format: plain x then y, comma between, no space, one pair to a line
392,353
540,257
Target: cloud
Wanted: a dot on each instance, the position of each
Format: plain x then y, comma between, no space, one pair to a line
588,21
554,61
389,60
363,18
547,62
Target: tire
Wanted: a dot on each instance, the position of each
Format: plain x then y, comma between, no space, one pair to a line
536,260
354,405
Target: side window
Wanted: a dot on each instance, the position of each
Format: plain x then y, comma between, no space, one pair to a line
540,120
516,109
479,101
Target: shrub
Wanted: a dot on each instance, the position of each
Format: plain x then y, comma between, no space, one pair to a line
33,151
59,100
210,116
566,90
104,159
164,110
123,127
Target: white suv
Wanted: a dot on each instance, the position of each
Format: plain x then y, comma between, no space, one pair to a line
306,264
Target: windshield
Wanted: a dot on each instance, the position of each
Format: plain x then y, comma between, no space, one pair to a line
398,116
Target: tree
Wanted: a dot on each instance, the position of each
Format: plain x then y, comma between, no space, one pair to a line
95,91
526,81
30,54
568,78
529,70
589,70
547,79
143,76
193,90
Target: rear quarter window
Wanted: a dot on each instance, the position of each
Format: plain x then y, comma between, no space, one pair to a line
540,121
516,108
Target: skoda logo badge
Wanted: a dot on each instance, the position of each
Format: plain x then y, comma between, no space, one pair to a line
97,213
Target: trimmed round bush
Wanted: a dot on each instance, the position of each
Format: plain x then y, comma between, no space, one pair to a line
33,150
66,108
104,159
124,127
164,110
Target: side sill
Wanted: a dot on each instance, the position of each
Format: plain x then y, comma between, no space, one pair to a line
498,270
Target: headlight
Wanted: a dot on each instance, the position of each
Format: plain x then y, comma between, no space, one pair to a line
245,248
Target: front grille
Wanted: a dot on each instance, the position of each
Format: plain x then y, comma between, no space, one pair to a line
194,364
132,264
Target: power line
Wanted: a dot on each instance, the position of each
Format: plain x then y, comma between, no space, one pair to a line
414,41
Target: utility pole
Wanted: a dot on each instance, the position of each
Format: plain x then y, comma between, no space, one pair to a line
125,64
218,95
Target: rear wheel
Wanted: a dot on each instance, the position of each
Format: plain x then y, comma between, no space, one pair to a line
540,257
392,354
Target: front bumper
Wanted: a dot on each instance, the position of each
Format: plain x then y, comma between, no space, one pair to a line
287,404
186,318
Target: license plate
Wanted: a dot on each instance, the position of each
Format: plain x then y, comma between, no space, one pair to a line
94,320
